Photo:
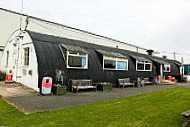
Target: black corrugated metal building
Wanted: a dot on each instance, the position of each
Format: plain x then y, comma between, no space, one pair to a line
51,53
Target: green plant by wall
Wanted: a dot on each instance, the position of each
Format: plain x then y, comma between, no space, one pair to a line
2,76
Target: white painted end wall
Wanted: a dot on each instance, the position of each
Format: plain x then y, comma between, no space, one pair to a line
21,74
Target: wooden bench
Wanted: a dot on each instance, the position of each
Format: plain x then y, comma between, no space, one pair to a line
82,84
125,82
187,116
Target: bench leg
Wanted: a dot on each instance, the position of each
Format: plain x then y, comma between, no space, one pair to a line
96,89
138,85
77,89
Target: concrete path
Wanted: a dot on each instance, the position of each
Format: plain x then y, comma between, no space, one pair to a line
29,101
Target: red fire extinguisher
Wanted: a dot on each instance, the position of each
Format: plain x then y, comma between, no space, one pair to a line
9,77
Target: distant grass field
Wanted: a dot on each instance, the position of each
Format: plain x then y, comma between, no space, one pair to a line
156,109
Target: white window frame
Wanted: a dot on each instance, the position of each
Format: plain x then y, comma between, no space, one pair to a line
77,55
165,66
116,59
144,63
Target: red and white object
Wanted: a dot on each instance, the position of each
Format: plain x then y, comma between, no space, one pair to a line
9,77
46,85
169,78
173,79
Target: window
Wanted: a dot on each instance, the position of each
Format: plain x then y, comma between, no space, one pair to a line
7,60
143,66
26,56
24,71
187,69
77,60
122,64
140,66
30,72
115,63
167,68
111,64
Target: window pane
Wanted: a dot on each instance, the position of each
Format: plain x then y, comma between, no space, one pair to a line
121,65
164,68
26,56
168,69
187,69
75,61
147,67
140,66
109,64
83,62
7,60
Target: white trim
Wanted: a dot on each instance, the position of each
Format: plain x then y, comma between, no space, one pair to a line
116,59
144,63
62,52
77,55
161,70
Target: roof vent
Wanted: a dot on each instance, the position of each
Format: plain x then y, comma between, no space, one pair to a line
150,52
165,57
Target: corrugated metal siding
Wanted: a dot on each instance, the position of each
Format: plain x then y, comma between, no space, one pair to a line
50,58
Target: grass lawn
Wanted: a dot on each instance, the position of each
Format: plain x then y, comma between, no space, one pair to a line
157,109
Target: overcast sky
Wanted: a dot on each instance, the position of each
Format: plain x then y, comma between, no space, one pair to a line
157,24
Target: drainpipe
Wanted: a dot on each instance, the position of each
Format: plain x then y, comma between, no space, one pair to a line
182,61
19,39
16,70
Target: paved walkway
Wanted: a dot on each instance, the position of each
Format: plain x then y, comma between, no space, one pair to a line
29,101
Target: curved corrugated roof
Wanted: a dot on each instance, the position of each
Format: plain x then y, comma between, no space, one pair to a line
50,57
65,42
